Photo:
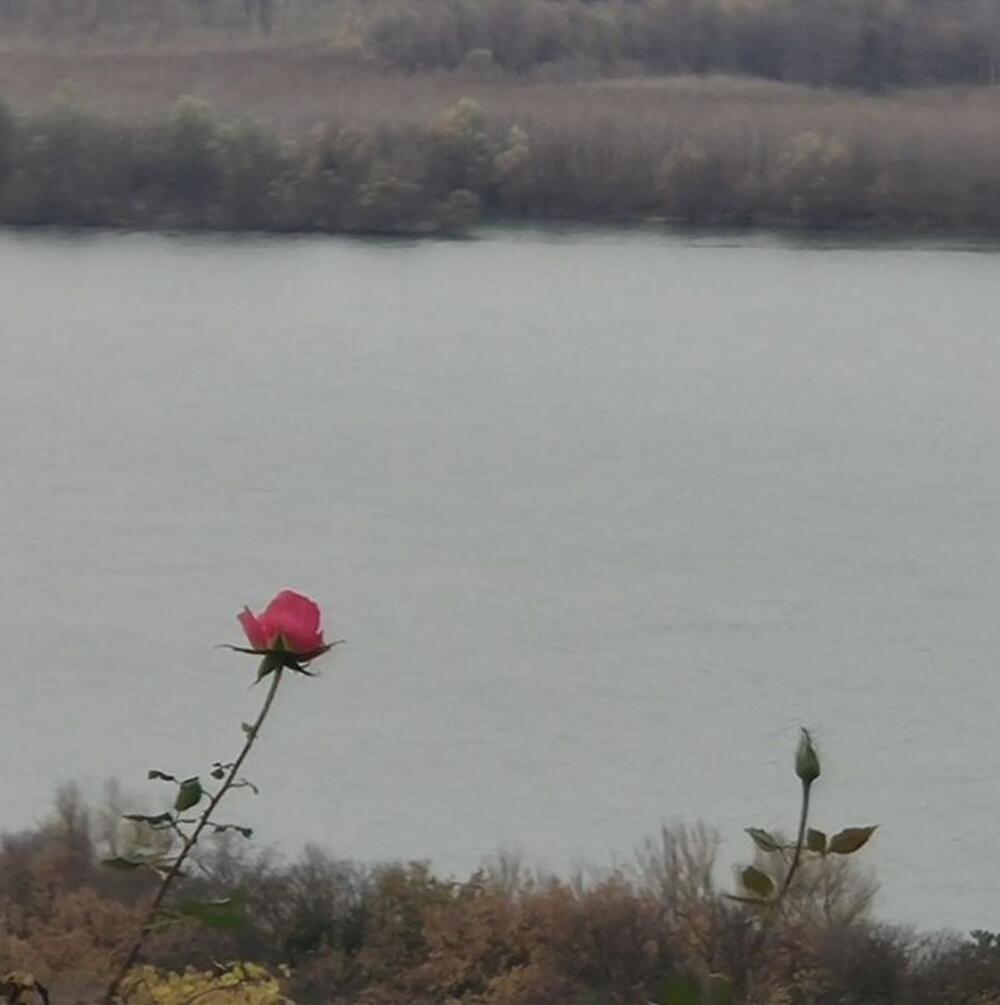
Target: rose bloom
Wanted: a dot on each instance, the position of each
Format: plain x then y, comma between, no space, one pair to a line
288,628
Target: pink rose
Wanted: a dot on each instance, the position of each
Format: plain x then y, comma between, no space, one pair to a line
287,633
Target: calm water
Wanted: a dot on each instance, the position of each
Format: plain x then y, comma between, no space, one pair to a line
604,517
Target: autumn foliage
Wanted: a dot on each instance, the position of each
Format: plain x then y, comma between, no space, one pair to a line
702,153
329,931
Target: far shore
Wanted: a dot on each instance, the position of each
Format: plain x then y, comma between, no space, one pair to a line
284,139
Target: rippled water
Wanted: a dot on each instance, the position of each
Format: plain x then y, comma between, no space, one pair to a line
603,516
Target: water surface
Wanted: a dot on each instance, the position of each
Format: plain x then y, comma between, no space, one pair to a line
603,516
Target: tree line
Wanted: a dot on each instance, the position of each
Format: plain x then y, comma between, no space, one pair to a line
869,44
807,166
337,932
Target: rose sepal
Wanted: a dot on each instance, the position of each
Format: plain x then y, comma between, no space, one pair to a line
281,658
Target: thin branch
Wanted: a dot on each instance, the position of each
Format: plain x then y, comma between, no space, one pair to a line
190,842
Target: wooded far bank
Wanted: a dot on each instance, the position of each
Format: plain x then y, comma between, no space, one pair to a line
870,44
430,155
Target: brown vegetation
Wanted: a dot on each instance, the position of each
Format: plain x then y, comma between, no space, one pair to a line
326,126
373,935
858,43
387,156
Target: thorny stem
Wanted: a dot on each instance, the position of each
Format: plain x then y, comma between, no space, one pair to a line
189,844
184,837
800,841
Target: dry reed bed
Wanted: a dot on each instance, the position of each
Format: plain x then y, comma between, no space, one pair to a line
706,150
299,86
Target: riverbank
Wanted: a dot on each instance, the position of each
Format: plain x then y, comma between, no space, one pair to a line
195,141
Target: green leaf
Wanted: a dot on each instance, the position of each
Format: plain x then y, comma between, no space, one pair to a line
121,864
757,882
850,839
247,832
161,775
188,795
680,991
222,914
158,820
816,841
763,840
164,920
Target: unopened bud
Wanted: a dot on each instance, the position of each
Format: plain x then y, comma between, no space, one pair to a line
806,759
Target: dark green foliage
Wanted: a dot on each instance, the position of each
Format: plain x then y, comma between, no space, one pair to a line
816,841
683,990
188,795
757,882
225,914
850,840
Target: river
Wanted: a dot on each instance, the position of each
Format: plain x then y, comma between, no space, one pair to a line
603,515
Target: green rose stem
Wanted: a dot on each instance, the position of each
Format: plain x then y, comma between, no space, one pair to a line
800,840
808,770
190,842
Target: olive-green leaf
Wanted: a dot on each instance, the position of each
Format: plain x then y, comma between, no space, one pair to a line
222,914
680,990
188,795
816,841
757,882
157,820
164,920
122,864
763,840
247,832
850,839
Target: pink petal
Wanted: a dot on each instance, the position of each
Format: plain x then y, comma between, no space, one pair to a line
296,619
253,628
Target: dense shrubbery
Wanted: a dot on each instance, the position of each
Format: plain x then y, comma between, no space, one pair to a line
186,171
857,43
339,932
61,166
